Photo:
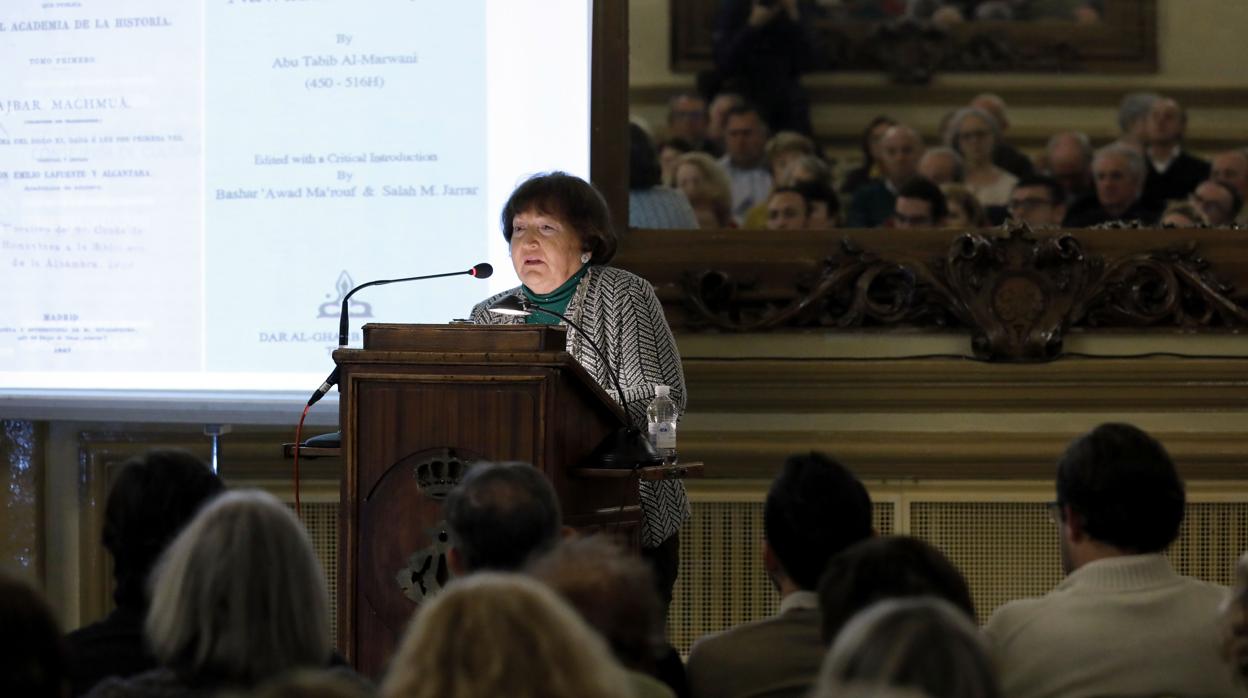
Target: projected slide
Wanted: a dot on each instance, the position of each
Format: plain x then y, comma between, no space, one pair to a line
187,189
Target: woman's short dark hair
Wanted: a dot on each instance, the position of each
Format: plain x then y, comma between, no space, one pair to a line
571,199
644,171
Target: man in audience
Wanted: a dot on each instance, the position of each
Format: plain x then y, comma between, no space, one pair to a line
787,209
1069,157
717,113
153,498
1004,155
687,120
1172,173
1037,201
1118,172
1133,118
1122,622
941,165
823,207
920,204
901,148
1231,167
815,509
500,516
745,138
1217,202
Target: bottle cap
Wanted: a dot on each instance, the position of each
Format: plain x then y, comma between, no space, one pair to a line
662,391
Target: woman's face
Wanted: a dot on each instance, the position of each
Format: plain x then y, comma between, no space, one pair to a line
544,250
975,140
689,180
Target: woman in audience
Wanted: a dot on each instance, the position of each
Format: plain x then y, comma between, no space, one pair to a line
32,654
650,204
965,212
706,186
974,133
870,168
491,634
922,643
239,597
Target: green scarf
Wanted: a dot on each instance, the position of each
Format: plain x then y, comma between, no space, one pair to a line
557,300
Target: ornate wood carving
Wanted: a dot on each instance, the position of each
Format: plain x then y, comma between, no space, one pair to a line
1017,294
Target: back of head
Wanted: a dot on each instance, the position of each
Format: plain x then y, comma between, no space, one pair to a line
644,171
613,591
815,509
1123,485
885,568
495,634
501,515
32,654
152,499
923,189
920,643
240,596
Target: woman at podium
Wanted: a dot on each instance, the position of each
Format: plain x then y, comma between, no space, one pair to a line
561,238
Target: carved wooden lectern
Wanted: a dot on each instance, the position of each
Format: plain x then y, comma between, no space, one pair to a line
419,404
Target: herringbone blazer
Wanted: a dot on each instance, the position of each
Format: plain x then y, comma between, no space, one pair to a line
624,317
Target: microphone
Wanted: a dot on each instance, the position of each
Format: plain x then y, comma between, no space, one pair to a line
481,271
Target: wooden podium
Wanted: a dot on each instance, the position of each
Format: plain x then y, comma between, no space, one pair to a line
421,403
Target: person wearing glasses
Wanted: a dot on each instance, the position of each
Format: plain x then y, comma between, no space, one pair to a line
974,133
1037,201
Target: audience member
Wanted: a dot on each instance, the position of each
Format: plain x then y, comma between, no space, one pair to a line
787,209
1133,115
1180,214
670,151
32,654
1218,203
238,598
823,208
1122,622
784,149
964,211
1069,161
925,644
1172,172
761,50
920,204
974,133
744,159
501,516
1118,172
941,166
612,592
885,568
721,104
1004,155
498,634
650,204
900,151
706,185
869,170
1231,167
1038,201
687,120
152,499
815,509
1235,624
806,168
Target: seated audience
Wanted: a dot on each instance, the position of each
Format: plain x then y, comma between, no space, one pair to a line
920,204
1180,214
650,204
32,653
974,133
806,168
964,210
887,567
924,643
670,150
869,170
744,160
498,634
941,166
1122,622
900,151
1231,167
1068,158
814,509
1133,113
706,185
688,121
823,208
152,499
787,209
717,123
238,598
1118,172
1217,202
1004,155
612,591
1037,201
501,516
1172,172
783,150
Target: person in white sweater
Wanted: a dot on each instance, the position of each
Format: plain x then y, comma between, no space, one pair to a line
1123,622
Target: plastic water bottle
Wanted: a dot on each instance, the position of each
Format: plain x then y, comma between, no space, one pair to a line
662,416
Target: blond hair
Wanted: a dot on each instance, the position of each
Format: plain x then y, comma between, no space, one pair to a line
716,189
501,634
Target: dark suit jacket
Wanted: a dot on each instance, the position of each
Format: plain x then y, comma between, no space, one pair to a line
111,647
1087,212
871,206
1179,180
1010,159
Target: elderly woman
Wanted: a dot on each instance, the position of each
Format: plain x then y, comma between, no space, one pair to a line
561,239
238,598
974,133
707,187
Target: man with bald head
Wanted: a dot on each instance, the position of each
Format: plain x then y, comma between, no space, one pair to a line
1004,155
1172,172
1118,171
900,151
1231,167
